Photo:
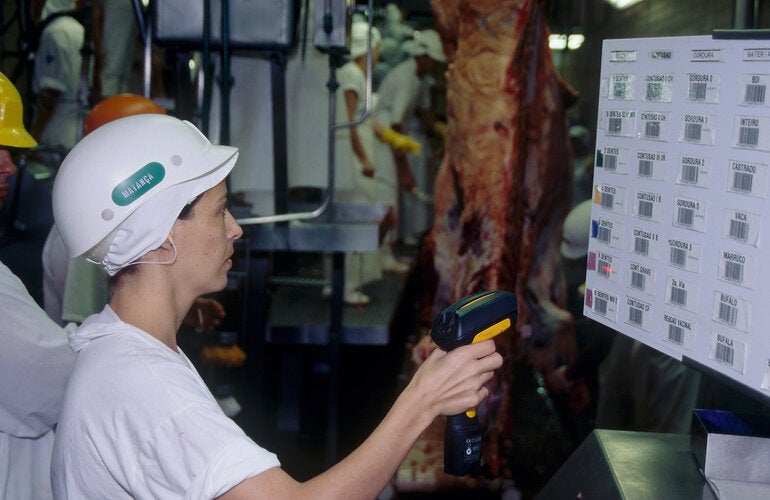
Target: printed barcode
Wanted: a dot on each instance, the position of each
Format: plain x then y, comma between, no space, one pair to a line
698,91
611,162
619,90
600,306
645,208
608,200
734,271
641,245
739,230
685,216
755,94
615,127
725,354
604,234
654,91
748,136
678,296
678,256
645,168
676,334
652,129
635,316
604,268
690,174
743,181
637,280
692,131
728,313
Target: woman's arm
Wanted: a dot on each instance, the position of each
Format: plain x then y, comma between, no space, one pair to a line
445,384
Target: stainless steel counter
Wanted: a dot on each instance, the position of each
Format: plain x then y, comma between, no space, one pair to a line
634,465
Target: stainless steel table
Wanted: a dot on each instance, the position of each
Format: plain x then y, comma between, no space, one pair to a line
634,465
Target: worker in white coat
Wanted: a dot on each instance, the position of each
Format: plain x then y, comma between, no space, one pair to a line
354,156
57,77
35,358
403,105
138,421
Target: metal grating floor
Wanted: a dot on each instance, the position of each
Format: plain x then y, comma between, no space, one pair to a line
299,315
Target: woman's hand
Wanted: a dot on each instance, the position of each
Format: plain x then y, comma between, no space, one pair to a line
448,383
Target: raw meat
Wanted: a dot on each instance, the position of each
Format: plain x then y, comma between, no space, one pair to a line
504,186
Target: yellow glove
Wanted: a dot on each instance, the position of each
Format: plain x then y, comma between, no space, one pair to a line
401,142
441,129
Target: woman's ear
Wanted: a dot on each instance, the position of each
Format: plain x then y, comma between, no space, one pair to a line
168,244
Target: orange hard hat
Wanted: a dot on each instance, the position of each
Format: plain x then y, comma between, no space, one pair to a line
119,106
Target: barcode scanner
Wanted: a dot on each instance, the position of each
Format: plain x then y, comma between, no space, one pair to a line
473,319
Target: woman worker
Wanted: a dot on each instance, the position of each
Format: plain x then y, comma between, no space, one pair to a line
138,420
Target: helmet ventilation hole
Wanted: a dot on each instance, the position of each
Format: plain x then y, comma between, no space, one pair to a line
176,160
107,214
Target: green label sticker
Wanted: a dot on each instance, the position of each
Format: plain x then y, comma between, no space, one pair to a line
138,183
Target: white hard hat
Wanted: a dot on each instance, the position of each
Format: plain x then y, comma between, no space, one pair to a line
359,31
577,229
119,191
426,42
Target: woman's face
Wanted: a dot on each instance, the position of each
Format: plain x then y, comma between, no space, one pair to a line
204,242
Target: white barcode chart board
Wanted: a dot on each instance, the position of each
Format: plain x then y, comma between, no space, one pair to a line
679,254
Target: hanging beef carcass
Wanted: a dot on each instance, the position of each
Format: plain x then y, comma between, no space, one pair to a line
504,186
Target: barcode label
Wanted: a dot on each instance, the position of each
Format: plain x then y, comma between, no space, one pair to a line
654,91
690,174
652,130
685,216
693,131
697,91
645,168
615,126
755,94
635,316
611,162
604,268
604,234
743,181
637,280
728,314
645,209
678,296
739,230
724,353
641,246
733,271
676,334
608,201
748,136
678,256
600,306
619,90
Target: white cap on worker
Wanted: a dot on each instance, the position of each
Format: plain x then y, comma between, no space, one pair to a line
426,42
577,229
359,31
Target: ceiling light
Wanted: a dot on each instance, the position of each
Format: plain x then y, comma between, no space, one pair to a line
557,42
622,4
561,41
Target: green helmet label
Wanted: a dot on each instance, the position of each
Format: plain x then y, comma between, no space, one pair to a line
138,183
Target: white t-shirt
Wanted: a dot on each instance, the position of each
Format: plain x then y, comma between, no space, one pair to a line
138,422
35,361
